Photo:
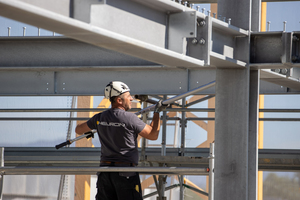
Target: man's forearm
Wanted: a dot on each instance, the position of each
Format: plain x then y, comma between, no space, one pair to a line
155,124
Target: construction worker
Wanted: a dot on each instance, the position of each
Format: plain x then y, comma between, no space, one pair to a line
118,131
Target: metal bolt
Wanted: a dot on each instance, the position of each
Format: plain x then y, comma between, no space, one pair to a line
220,16
284,26
202,23
198,8
269,23
202,41
185,3
194,41
192,5
208,12
24,31
214,15
179,1
203,10
295,38
53,33
229,20
277,70
9,28
295,58
284,71
224,19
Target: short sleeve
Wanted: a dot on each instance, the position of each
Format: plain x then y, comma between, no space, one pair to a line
137,124
92,122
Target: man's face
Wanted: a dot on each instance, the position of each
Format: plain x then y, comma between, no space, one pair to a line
126,100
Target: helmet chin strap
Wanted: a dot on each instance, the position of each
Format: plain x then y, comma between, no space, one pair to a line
111,87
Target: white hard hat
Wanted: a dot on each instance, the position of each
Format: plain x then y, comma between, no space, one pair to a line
115,88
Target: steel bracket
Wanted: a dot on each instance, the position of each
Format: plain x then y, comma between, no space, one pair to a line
200,46
182,25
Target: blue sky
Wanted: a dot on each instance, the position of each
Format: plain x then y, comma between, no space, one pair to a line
278,12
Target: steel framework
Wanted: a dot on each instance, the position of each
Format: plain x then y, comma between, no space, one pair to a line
150,44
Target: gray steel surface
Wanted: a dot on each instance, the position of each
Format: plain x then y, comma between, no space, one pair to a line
268,159
253,134
1,175
135,109
21,170
231,134
182,26
225,59
232,118
141,22
71,28
68,58
216,1
60,52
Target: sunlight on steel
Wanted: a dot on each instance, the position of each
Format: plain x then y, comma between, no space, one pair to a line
93,170
175,98
94,35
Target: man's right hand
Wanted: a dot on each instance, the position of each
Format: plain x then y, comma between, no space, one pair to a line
159,106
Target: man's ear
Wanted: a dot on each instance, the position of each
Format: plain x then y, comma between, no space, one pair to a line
119,100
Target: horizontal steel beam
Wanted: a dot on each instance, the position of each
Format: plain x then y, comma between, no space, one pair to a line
61,53
269,159
63,66
94,35
74,83
94,170
111,36
271,50
168,119
276,110
54,75
216,1
272,77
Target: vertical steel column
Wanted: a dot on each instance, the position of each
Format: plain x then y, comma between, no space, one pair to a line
143,148
164,131
143,144
183,125
182,146
181,179
63,177
161,187
211,171
1,176
253,135
234,111
256,25
61,187
231,134
162,178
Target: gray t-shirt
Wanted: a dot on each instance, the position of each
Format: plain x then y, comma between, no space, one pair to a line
118,131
